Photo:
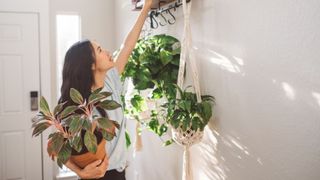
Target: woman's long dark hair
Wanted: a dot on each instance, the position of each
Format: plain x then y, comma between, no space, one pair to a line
77,72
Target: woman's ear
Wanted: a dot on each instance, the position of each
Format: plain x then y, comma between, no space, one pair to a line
93,67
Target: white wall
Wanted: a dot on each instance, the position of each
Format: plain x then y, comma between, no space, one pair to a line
260,60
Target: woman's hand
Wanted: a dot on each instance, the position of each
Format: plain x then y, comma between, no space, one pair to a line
94,170
147,4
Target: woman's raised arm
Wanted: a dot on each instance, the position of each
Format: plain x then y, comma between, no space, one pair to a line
132,38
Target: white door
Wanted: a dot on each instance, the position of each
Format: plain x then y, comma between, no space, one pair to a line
20,154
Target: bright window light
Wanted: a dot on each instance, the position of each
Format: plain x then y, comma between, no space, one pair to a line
68,32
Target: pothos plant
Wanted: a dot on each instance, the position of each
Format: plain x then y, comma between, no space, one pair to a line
153,65
186,112
75,126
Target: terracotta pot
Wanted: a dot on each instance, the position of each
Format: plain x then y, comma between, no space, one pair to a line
84,159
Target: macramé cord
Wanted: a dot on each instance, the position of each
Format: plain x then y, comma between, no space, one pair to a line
189,137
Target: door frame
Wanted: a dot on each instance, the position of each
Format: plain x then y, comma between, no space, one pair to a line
41,8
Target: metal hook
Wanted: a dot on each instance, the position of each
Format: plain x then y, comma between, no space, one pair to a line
173,18
152,20
164,18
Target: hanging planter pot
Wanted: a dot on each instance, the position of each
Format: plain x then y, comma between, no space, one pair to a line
188,137
188,117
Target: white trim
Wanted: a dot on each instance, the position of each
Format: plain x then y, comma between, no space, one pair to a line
67,176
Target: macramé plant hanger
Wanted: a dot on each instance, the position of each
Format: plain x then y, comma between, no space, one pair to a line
189,137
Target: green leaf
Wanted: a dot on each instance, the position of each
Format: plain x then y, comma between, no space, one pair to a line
90,141
40,127
50,135
97,90
180,91
162,129
128,140
93,98
109,105
184,127
76,124
176,61
60,164
175,123
156,93
168,142
186,123
104,123
185,105
106,94
67,111
58,108
39,117
55,143
165,57
116,124
87,125
206,110
77,142
44,107
137,102
107,135
76,96
66,121
154,124
176,51
65,153
208,98
36,123
195,123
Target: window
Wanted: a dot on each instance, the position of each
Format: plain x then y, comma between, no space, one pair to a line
68,32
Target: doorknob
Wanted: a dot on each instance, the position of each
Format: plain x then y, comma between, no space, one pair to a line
34,100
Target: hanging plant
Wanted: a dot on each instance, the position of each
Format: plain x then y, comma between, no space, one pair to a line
153,68
154,64
187,113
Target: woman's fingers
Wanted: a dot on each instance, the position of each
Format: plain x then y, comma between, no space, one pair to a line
103,166
95,169
94,164
105,161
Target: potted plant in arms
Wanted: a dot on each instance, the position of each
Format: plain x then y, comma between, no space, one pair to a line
79,132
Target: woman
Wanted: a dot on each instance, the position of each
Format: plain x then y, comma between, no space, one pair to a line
88,67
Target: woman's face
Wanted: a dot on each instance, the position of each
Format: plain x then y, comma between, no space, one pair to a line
103,61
